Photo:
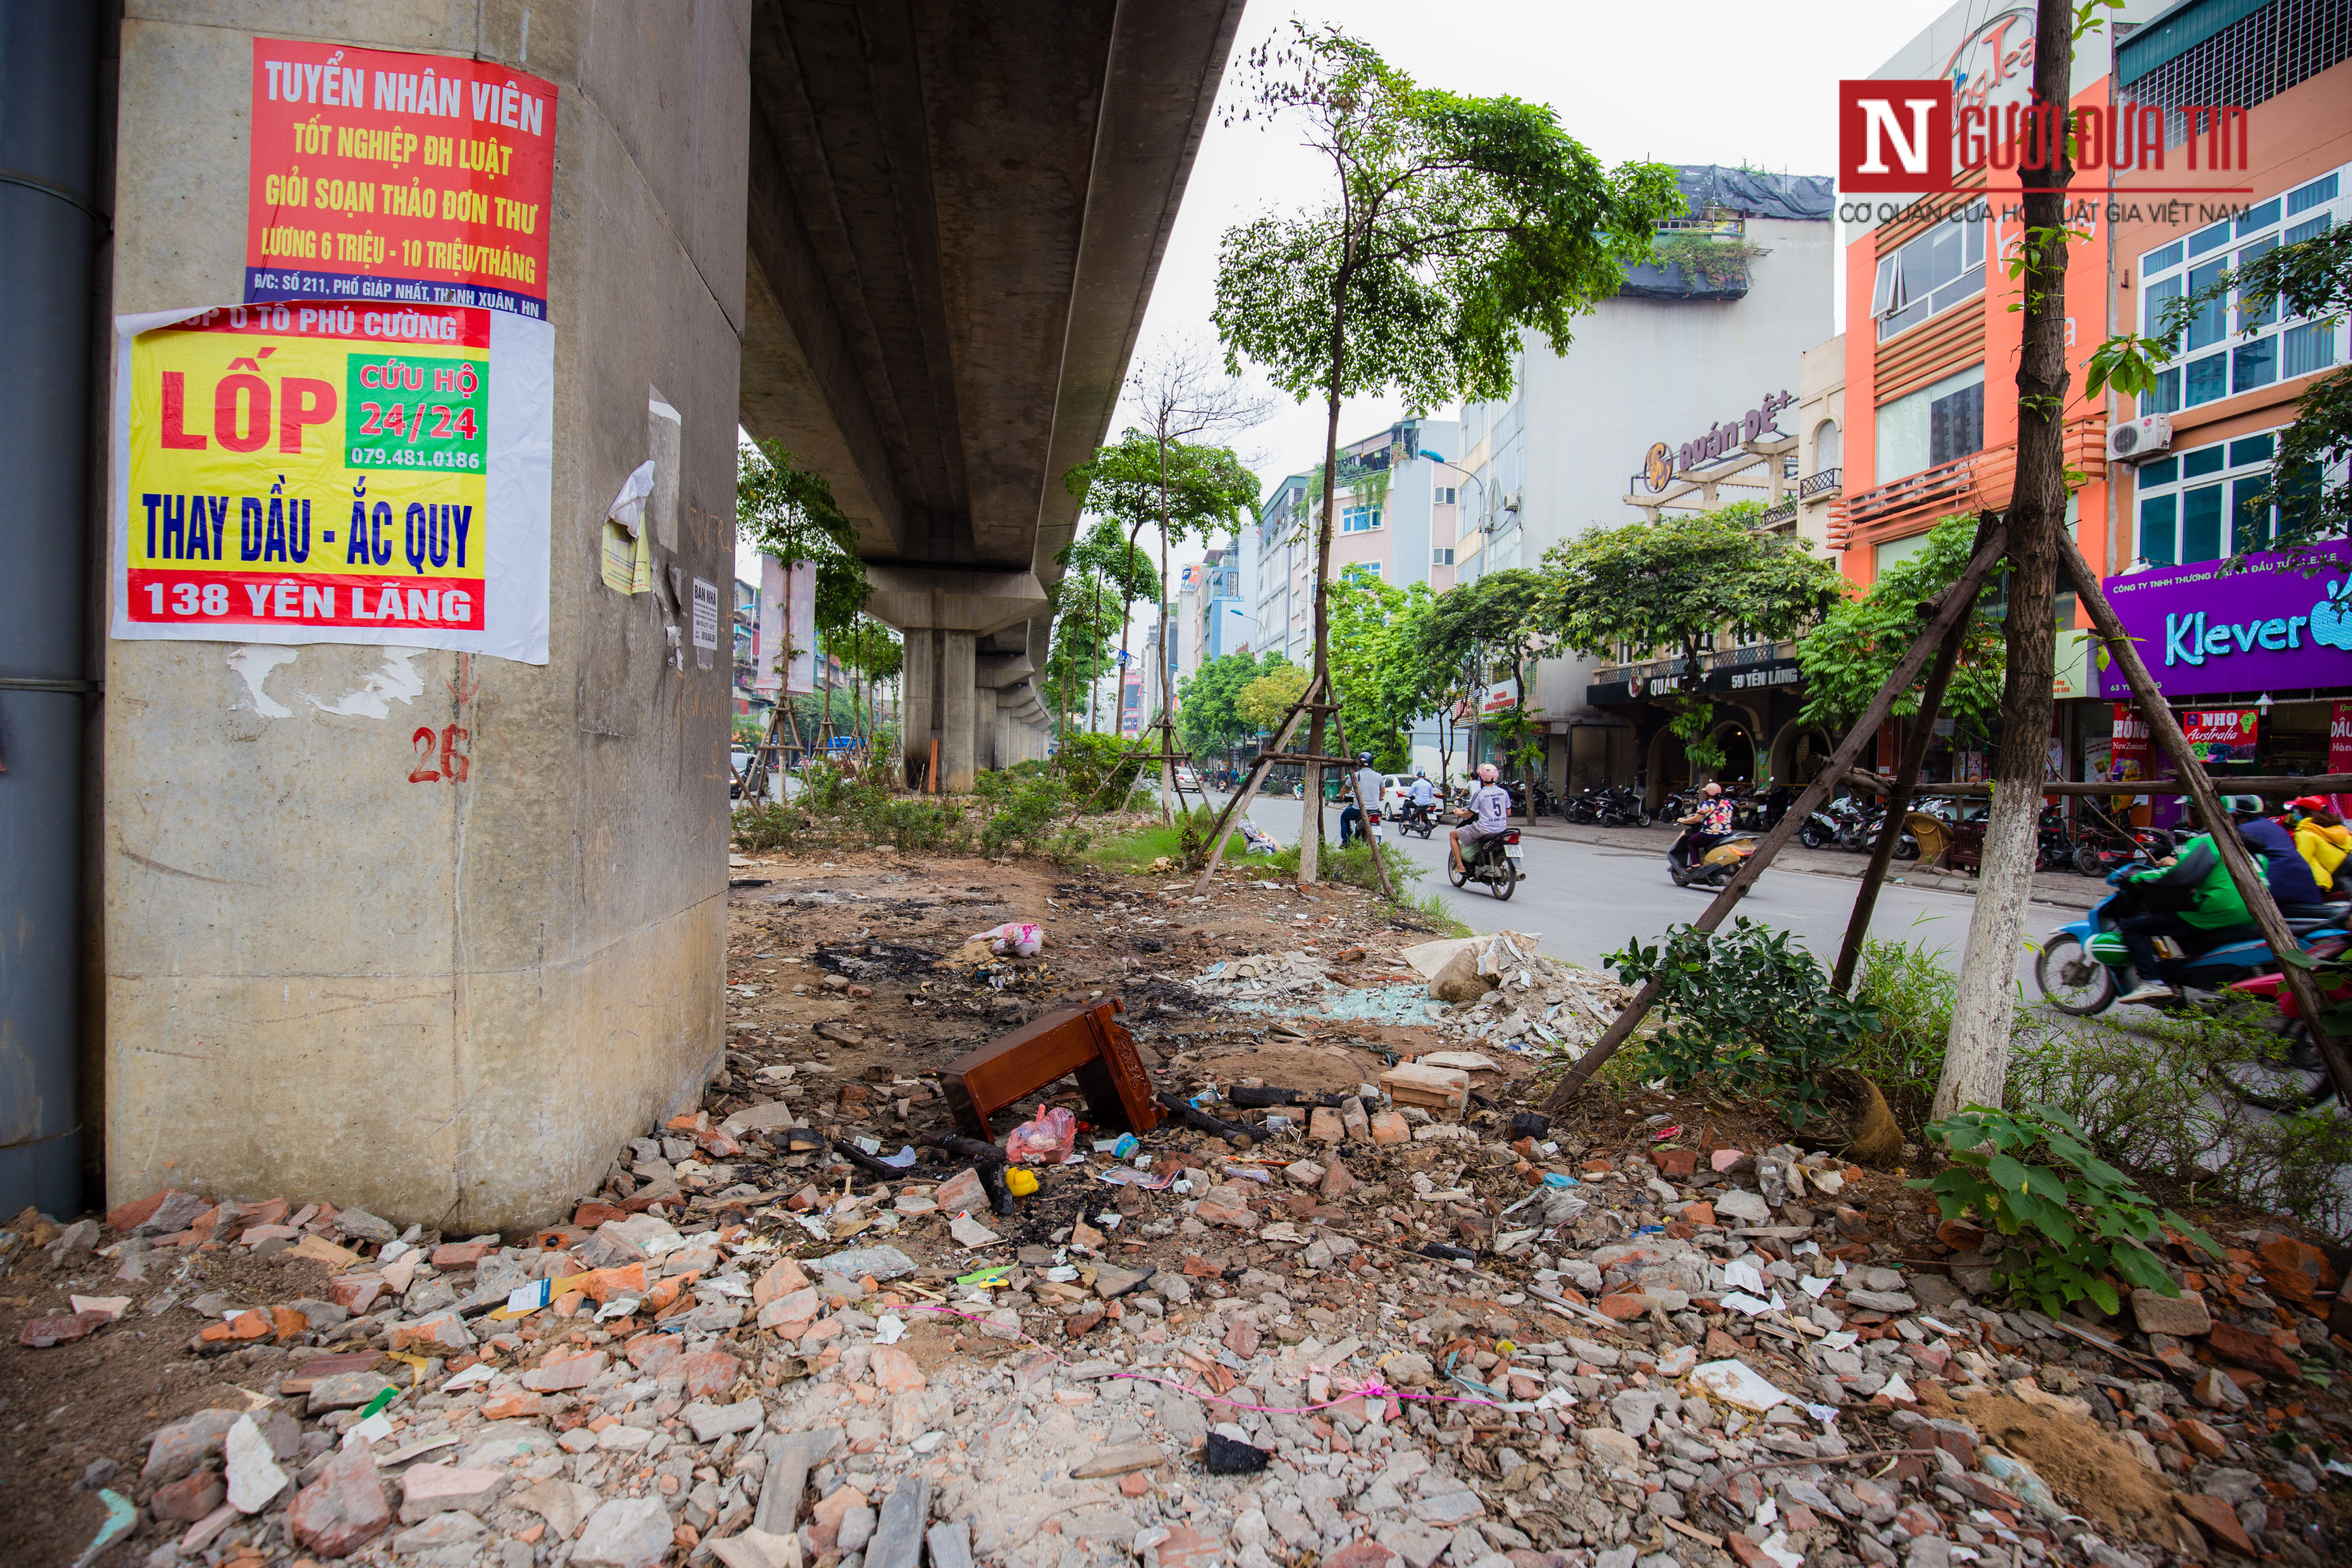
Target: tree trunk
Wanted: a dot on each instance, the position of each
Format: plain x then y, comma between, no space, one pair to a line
1160,675
1976,1056
1310,823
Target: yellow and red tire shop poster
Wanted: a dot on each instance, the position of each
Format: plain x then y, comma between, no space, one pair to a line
303,472
384,178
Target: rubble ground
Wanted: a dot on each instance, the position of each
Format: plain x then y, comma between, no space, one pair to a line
1392,1325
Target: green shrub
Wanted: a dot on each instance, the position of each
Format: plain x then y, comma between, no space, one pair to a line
1353,866
1747,1008
1913,991
1027,809
1100,769
2081,1220
2152,1098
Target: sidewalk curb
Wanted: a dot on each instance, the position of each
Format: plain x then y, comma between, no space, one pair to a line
2051,892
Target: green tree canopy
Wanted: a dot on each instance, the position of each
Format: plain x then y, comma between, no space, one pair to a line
1848,657
788,512
1264,701
1452,226
1497,621
1377,662
1198,492
1676,583
1209,718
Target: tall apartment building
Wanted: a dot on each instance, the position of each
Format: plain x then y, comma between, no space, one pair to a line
1658,381
1397,503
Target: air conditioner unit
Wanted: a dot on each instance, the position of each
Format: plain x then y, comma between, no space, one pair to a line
2137,440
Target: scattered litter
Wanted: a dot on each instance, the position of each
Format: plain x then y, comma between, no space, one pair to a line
1049,1137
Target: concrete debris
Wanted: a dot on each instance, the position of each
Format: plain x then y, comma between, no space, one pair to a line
1396,1333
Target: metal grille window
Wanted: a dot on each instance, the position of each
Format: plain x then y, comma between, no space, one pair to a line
2228,348
2251,61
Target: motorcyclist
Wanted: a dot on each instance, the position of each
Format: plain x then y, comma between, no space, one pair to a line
1713,819
2199,908
2321,838
2292,886
1421,797
1490,807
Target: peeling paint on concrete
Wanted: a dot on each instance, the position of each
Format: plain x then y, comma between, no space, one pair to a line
397,681
255,661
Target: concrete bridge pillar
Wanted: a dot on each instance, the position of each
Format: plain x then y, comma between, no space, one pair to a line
944,615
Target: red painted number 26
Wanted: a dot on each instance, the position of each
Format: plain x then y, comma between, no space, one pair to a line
454,760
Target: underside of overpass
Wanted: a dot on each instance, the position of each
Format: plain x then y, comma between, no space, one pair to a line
954,219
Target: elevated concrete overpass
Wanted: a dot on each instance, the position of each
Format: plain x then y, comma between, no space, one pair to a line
955,213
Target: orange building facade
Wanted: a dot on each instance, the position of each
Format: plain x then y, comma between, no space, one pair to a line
1932,343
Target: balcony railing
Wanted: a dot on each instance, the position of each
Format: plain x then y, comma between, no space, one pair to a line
1720,659
1829,481
1981,480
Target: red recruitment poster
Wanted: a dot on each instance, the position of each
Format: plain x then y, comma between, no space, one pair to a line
2127,744
380,177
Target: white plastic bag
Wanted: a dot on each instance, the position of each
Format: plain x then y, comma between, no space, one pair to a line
1019,938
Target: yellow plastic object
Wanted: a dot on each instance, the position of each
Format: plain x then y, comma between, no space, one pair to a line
1020,1183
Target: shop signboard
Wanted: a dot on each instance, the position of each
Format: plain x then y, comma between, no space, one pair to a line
2127,744
2276,626
2339,739
1761,675
301,473
2220,735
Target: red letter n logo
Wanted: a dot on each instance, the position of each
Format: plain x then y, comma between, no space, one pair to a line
1895,135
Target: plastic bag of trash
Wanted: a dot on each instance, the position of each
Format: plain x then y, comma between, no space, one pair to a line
1260,841
1049,1138
1023,938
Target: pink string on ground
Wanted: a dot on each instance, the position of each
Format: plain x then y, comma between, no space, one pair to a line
1372,1388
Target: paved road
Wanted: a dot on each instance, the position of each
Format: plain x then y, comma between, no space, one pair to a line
1586,900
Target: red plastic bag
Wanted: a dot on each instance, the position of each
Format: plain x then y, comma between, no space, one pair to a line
1049,1138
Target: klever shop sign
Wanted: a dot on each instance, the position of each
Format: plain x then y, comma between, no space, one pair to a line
303,473
378,178
2271,628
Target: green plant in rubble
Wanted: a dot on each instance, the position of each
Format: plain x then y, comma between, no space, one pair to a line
1025,808
1719,261
2076,1219
1913,989
1746,1010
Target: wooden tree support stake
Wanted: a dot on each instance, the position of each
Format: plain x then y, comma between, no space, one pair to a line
1239,805
1899,795
1957,604
2109,629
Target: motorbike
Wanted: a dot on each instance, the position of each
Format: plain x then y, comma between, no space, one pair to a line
1621,806
1712,868
1546,803
2296,1080
2102,843
1495,863
2079,966
1417,817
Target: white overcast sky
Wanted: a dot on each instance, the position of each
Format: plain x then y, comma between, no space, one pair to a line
1702,81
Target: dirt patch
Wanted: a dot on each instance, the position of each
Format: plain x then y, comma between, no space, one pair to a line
2090,1470
65,1409
1859,1125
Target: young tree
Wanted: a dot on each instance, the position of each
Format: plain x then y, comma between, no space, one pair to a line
1679,582
1452,224
1849,656
788,512
1984,1006
1115,572
1180,393
1499,619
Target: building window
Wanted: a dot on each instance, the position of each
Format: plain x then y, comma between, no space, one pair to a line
1933,273
2254,59
1361,568
2213,501
2234,345
1931,426
1828,445
1441,557
1360,519
1443,495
